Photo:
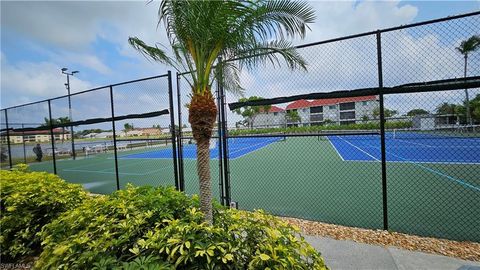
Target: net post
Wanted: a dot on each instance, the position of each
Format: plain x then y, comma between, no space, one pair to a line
52,137
382,131
117,179
10,163
173,131
181,175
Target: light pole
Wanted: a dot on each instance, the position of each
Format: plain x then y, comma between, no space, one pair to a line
67,85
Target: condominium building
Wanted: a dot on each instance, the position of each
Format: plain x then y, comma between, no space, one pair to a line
341,111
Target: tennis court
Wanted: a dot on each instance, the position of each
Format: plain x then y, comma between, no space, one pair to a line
432,185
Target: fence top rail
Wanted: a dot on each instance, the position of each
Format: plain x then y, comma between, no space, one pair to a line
385,30
86,91
430,86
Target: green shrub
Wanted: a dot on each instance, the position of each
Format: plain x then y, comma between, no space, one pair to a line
160,228
28,201
314,129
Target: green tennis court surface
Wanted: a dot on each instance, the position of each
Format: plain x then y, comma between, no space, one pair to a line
307,178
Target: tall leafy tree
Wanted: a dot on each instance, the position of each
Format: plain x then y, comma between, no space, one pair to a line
293,117
200,32
417,112
387,113
467,47
63,120
249,113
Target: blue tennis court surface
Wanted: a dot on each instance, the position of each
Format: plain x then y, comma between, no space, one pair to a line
237,147
409,148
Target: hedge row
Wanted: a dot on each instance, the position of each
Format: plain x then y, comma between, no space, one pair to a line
139,228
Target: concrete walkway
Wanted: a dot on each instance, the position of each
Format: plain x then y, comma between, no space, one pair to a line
343,254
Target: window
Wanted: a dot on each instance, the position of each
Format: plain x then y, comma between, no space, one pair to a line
332,107
347,106
364,103
316,118
347,115
294,110
275,113
318,109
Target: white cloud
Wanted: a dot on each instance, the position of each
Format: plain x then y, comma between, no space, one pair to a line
74,25
28,81
340,18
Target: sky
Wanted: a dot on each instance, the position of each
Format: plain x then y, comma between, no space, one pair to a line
40,37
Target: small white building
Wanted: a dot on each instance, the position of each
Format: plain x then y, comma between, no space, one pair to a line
104,135
90,135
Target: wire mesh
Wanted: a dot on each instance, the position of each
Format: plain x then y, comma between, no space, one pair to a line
24,143
145,152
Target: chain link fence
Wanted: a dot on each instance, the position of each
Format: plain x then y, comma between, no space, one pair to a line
102,138
377,143
382,131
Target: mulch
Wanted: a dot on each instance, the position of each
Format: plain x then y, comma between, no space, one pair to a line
462,250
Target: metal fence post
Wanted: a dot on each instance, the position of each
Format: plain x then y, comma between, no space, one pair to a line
8,141
24,146
226,171
173,131
114,139
180,140
220,142
52,137
382,131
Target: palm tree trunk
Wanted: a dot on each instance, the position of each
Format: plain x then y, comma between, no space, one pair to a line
202,115
467,100
203,170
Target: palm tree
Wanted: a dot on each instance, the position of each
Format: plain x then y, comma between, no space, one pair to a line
200,33
63,120
468,46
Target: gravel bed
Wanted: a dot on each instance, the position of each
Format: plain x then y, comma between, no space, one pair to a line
462,250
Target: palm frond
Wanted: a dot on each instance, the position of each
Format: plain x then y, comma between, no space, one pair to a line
229,74
272,52
154,53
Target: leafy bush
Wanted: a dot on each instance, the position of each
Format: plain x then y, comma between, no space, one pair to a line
160,228
28,201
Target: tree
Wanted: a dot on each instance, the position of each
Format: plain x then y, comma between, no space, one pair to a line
475,108
205,38
292,117
63,120
249,113
448,109
387,113
417,112
127,127
466,47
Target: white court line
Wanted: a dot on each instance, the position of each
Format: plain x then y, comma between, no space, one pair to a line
237,150
336,150
437,172
427,145
426,162
135,174
358,148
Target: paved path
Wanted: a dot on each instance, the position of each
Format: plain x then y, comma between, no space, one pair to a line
343,254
